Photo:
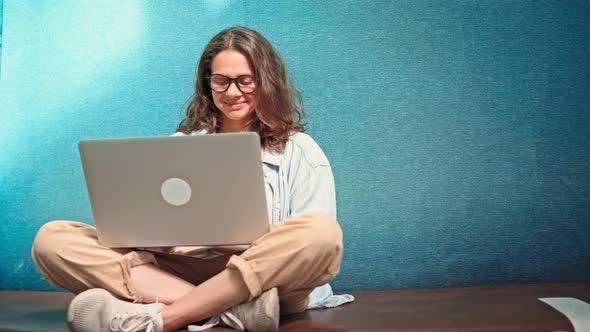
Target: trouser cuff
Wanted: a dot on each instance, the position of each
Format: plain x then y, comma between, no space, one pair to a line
249,277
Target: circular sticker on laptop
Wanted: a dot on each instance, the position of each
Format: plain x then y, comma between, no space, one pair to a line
176,191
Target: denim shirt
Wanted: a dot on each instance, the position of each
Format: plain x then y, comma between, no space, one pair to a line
301,181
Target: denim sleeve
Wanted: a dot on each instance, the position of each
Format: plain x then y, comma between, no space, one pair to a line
313,190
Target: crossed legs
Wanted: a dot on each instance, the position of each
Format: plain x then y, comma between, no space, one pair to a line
295,256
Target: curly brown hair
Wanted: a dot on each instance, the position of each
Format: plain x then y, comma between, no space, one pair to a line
279,108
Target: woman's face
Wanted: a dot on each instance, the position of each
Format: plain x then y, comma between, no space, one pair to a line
236,107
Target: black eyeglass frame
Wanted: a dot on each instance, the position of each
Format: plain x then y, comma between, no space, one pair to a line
231,80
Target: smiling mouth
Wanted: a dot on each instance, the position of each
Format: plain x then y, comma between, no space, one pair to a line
236,105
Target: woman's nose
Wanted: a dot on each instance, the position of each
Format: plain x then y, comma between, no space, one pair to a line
233,90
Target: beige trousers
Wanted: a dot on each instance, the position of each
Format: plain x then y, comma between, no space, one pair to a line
295,256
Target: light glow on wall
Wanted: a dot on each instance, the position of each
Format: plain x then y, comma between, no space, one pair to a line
1,38
56,52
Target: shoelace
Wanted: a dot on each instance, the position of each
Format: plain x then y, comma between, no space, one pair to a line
137,322
226,317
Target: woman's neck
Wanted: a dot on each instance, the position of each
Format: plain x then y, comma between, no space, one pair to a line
232,127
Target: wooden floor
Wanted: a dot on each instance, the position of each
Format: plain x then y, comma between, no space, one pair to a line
490,308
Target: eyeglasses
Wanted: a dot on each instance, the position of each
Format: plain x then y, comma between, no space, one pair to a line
220,83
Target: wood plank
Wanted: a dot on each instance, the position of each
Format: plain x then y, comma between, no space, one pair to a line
486,308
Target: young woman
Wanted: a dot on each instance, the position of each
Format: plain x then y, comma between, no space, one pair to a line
241,85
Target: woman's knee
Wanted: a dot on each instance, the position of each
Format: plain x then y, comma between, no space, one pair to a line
49,240
322,235
315,251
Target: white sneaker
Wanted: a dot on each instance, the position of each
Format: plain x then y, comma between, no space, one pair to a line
258,315
98,310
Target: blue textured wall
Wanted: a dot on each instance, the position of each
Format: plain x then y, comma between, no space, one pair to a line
458,131
1,5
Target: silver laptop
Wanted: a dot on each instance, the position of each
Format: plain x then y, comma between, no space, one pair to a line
174,191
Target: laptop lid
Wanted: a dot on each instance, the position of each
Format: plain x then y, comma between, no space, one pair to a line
180,190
